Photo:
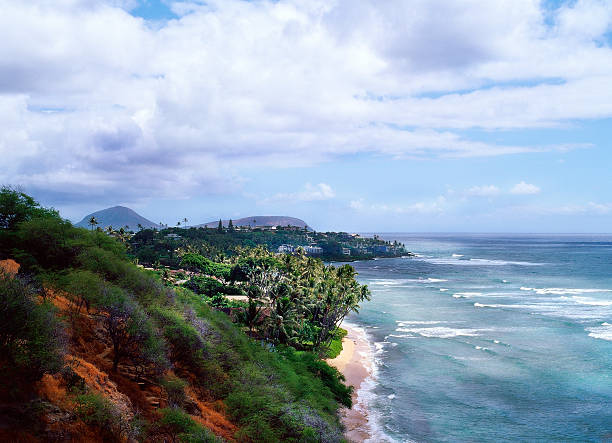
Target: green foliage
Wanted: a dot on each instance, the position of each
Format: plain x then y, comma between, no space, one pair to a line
94,408
32,339
186,343
175,389
17,207
177,425
335,347
206,266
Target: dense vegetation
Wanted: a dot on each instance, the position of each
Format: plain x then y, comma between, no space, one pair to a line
166,246
171,338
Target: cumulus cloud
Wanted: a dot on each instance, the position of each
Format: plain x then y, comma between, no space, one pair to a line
310,192
484,191
437,205
523,188
95,101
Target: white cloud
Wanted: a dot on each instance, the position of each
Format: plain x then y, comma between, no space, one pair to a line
523,188
437,205
310,192
484,191
185,107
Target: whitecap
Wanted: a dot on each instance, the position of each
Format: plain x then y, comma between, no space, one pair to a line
457,255
441,332
443,289
601,332
391,397
466,294
564,291
477,262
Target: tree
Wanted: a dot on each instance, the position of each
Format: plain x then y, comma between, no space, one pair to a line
17,207
140,227
230,226
32,339
92,222
128,328
185,221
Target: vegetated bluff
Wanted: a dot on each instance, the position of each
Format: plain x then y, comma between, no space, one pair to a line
117,217
94,349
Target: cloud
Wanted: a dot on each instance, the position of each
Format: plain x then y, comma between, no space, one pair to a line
523,188
185,107
318,192
437,205
484,191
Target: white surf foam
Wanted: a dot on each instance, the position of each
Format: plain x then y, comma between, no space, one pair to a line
564,291
603,332
466,294
441,332
476,262
443,289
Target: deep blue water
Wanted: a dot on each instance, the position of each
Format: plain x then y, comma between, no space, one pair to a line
492,338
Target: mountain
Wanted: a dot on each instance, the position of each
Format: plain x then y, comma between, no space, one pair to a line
117,216
261,220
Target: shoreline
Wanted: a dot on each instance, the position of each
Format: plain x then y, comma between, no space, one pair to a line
355,362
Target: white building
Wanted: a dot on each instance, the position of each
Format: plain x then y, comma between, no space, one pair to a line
313,250
286,249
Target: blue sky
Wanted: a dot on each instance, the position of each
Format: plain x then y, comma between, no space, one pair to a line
437,115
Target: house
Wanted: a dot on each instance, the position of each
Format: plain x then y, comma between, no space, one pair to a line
346,251
313,250
286,249
173,236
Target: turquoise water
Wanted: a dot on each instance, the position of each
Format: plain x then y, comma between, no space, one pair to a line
492,338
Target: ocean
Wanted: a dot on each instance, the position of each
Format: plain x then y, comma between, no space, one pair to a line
490,338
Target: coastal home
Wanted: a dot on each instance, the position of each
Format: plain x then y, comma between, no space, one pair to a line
313,250
284,249
346,251
173,236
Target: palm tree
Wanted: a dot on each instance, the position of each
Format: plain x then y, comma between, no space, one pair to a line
140,227
93,222
185,221
109,230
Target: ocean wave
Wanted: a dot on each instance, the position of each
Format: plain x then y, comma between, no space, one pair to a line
419,322
563,291
441,332
589,301
403,281
457,255
476,262
603,332
466,294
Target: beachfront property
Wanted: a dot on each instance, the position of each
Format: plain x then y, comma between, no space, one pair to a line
286,249
313,250
346,251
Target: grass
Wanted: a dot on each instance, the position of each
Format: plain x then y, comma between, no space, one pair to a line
335,347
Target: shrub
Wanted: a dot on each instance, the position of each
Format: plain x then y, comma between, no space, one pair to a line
177,425
130,331
32,339
175,389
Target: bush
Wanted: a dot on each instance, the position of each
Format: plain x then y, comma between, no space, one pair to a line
32,339
175,389
179,426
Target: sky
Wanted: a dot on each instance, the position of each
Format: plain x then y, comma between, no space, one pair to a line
354,115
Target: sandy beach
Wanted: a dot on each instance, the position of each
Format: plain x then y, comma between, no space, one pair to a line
355,363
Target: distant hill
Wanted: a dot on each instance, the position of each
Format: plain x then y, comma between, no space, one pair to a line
117,217
261,220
